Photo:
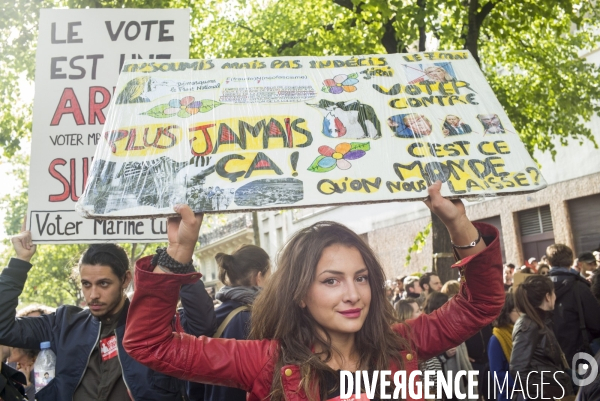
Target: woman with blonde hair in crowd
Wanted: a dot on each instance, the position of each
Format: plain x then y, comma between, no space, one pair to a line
322,311
407,309
451,288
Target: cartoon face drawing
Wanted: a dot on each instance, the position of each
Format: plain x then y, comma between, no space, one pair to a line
350,119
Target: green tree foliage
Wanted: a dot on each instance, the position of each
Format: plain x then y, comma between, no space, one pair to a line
419,243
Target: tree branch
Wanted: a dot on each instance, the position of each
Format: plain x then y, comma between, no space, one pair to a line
292,43
267,41
388,40
485,11
345,3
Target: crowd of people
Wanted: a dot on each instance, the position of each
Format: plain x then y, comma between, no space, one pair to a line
551,312
288,334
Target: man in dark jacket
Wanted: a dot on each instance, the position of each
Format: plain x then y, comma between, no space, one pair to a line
576,312
91,363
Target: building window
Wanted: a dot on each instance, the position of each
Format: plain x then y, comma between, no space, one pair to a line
537,232
584,214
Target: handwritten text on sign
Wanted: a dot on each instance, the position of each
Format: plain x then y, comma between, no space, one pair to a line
243,134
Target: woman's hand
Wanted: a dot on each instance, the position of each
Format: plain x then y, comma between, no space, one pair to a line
453,215
183,233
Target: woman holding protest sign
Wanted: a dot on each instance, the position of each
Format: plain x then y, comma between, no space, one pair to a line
322,311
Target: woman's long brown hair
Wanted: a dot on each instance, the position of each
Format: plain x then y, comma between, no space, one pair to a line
531,294
277,313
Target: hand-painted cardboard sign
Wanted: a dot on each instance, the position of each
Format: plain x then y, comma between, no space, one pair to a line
79,56
244,134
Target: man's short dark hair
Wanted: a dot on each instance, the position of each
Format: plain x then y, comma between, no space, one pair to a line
559,255
425,279
510,265
587,257
409,282
108,255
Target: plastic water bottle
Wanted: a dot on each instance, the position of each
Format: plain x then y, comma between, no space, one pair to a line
44,366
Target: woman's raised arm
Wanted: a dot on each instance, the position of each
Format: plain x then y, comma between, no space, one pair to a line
481,293
149,335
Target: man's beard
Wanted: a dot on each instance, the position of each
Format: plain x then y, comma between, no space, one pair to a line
109,312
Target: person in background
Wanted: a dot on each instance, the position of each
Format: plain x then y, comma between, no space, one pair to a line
478,356
454,359
407,309
532,263
397,295
450,288
413,289
586,264
500,348
389,294
508,276
434,301
243,274
576,319
400,283
25,358
543,269
430,282
535,348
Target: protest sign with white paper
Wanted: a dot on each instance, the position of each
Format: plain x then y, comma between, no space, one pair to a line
245,134
79,56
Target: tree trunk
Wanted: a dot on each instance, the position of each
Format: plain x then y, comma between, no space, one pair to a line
422,32
473,30
443,257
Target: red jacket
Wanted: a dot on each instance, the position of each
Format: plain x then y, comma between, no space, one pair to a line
249,364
